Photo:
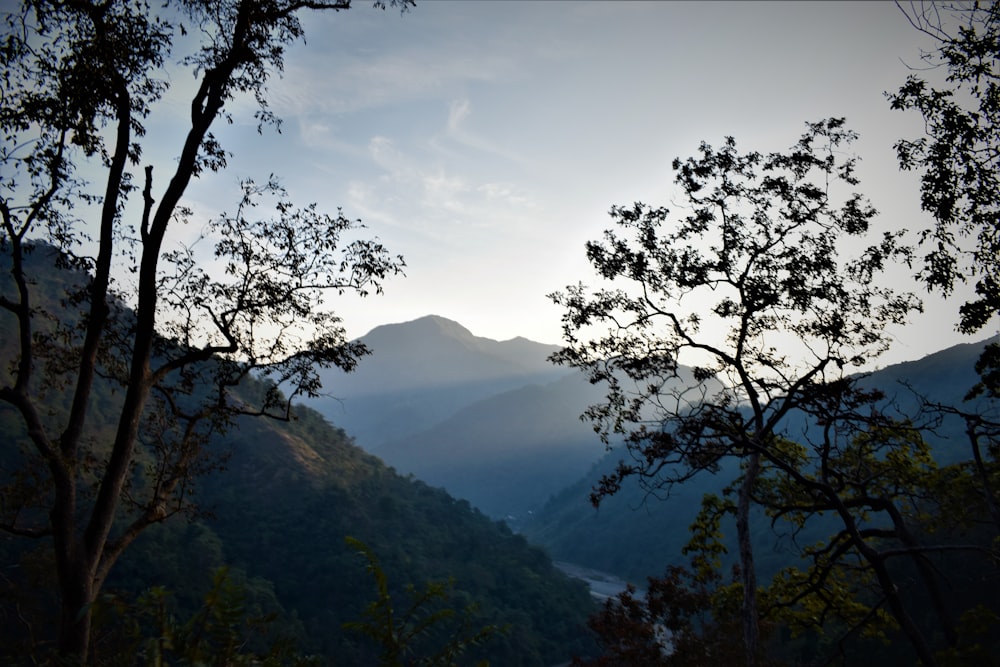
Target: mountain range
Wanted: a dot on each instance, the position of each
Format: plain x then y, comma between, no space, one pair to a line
495,423
510,440
422,372
492,422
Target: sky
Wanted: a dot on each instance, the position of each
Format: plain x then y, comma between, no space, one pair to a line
486,141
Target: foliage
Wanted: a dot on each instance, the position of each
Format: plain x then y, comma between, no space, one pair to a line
860,469
875,480
399,634
687,616
959,159
223,631
674,623
79,80
837,601
979,623
748,288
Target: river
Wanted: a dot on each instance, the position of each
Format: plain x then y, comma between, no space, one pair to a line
602,585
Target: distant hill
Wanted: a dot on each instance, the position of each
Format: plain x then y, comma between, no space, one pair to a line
944,376
494,422
634,535
508,453
433,351
422,372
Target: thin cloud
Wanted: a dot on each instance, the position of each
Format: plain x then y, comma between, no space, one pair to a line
457,131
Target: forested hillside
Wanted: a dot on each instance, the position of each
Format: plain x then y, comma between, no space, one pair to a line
506,454
277,512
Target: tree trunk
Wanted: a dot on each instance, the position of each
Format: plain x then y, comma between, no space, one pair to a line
927,575
76,588
751,628
971,430
898,609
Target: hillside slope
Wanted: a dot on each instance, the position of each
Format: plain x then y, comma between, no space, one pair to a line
508,453
279,511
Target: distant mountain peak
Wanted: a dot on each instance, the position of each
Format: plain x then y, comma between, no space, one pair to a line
426,325
444,325
519,340
434,351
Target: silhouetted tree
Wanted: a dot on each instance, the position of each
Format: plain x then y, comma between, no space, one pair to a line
959,159
747,287
79,80
686,617
399,628
876,477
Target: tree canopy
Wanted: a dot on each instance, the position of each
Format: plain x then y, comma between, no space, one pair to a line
748,287
958,96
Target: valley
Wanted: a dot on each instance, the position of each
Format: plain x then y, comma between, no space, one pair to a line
493,422
504,434
454,458
602,584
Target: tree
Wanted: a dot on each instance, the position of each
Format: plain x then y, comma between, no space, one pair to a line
227,629
875,475
398,629
747,287
959,160
685,617
79,79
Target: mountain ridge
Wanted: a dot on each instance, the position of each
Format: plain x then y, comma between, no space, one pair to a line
441,352
616,538
506,453
421,372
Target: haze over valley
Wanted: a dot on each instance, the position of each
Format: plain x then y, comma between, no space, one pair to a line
494,423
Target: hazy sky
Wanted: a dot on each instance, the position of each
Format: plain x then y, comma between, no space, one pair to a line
486,141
